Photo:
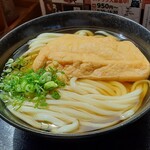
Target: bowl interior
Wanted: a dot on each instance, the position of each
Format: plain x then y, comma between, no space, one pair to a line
14,44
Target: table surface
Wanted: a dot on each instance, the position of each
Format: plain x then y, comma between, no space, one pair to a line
135,136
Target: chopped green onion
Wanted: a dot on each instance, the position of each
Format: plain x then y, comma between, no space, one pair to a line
17,86
30,88
47,76
50,85
55,95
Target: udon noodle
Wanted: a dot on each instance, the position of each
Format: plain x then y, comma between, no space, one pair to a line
85,104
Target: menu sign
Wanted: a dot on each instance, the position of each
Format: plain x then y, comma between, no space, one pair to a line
127,8
51,6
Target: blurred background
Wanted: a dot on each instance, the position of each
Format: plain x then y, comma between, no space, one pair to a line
16,12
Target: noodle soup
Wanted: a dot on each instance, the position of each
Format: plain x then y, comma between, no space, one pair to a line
78,82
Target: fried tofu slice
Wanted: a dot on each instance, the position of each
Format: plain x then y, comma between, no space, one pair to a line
91,57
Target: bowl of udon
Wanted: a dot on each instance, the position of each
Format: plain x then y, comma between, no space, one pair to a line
75,74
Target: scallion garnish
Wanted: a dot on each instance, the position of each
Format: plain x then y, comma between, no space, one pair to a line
28,85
